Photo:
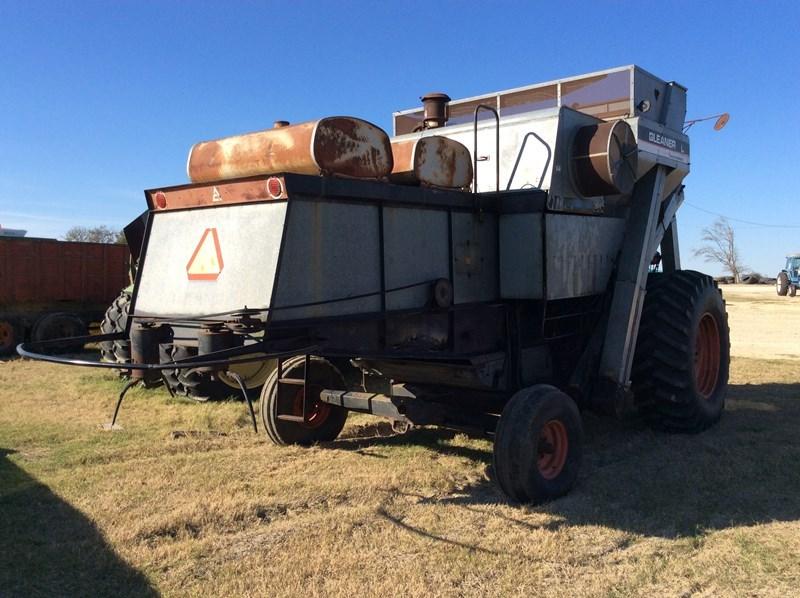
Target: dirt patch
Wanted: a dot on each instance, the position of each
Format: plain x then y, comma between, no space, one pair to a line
763,325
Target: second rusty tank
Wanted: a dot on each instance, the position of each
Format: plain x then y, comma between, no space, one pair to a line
435,161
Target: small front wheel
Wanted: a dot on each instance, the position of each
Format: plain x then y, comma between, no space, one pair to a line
323,423
537,446
792,290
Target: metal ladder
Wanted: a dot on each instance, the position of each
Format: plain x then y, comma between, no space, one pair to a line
286,389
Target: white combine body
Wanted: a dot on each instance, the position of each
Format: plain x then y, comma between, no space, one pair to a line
487,267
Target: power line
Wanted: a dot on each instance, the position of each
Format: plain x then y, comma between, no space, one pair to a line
750,222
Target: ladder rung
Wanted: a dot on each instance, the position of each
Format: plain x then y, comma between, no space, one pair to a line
294,381
292,418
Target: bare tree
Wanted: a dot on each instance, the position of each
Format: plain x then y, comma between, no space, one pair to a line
97,234
720,247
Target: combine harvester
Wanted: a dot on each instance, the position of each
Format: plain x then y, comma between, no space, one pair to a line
485,269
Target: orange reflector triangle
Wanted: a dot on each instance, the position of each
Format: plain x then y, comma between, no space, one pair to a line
206,261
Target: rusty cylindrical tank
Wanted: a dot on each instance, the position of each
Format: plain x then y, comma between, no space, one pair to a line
604,159
339,145
435,161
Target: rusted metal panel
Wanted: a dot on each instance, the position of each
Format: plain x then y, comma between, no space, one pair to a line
197,196
411,258
521,267
45,273
581,253
475,257
337,145
434,160
21,259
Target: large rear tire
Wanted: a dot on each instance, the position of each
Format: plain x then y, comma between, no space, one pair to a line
196,385
537,446
325,422
782,284
682,359
114,321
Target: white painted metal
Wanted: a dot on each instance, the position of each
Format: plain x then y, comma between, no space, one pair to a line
249,238
512,131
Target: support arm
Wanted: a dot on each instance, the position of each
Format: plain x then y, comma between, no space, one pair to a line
631,281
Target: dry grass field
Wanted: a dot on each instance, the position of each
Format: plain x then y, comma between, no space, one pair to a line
219,512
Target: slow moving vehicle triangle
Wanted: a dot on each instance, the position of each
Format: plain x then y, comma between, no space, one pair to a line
206,261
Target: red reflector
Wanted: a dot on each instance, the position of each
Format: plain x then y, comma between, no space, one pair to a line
161,199
274,187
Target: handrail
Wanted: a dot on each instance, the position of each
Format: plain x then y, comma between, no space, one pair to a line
519,158
475,147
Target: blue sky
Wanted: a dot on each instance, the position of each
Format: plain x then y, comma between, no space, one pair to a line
100,100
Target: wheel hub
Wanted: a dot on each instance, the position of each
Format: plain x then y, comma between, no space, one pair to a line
553,448
319,409
707,356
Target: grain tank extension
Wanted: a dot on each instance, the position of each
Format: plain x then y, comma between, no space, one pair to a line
487,268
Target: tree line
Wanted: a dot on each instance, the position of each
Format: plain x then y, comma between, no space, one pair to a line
96,234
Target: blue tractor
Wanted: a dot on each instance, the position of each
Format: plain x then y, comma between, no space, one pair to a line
788,279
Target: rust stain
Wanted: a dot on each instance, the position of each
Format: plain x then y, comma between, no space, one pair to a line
403,154
352,147
207,195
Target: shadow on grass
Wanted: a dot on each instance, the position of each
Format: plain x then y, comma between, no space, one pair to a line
376,435
49,548
744,471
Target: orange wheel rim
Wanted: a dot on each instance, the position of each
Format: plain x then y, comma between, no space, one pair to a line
319,409
707,356
553,449
6,335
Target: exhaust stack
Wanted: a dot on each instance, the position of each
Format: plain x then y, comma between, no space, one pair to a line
435,109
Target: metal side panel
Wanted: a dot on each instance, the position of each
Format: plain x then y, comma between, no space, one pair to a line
475,259
415,251
210,260
331,252
564,196
521,275
580,253
630,287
